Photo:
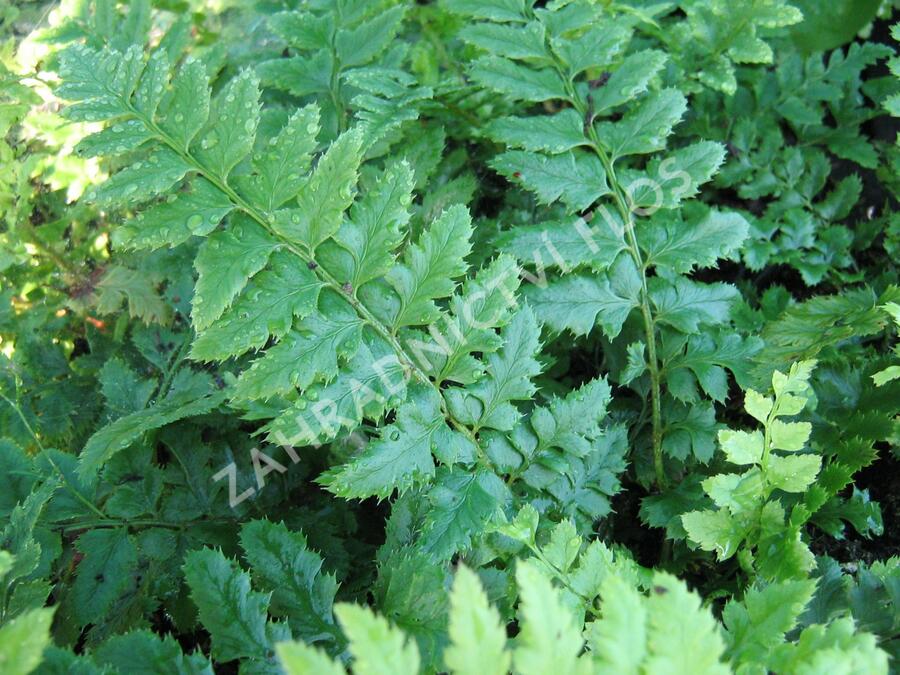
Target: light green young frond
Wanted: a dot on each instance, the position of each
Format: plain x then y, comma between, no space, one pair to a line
377,647
477,636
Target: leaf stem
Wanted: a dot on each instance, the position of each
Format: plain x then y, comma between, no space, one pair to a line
138,522
627,215
646,315
65,480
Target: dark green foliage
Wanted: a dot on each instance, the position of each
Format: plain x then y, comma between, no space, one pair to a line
469,337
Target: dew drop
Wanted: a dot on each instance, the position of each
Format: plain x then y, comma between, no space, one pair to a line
195,222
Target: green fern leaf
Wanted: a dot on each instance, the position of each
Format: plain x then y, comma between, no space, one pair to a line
123,390
759,622
514,42
233,613
114,140
702,359
488,402
280,169
402,456
389,97
495,10
575,178
225,262
267,307
565,244
138,288
281,560
619,638
155,654
429,267
298,658
485,303
151,89
629,80
588,483
549,640
570,425
310,353
601,43
367,239
551,133
359,45
113,438
142,180
231,130
324,195
198,212
107,571
460,503
683,637
687,305
645,129
672,243
373,378
577,303
298,75
675,178
101,81
518,82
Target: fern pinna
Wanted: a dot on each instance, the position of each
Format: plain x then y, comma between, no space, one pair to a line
335,317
